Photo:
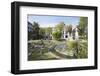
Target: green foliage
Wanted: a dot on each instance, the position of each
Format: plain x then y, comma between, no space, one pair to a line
69,29
83,50
49,30
35,32
60,26
79,48
83,24
30,37
40,53
73,34
72,44
36,27
57,35
41,33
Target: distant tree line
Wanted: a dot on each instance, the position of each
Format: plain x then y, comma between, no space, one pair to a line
39,32
46,32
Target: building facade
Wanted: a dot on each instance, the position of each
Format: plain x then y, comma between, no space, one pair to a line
30,27
66,35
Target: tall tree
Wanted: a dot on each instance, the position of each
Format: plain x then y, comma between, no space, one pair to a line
60,26
49,30
41,33
83,24
35,30
69,29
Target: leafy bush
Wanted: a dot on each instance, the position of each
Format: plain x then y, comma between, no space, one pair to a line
57,35
72,44
80,48
83,50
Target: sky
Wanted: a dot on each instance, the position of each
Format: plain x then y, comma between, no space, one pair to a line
51,21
